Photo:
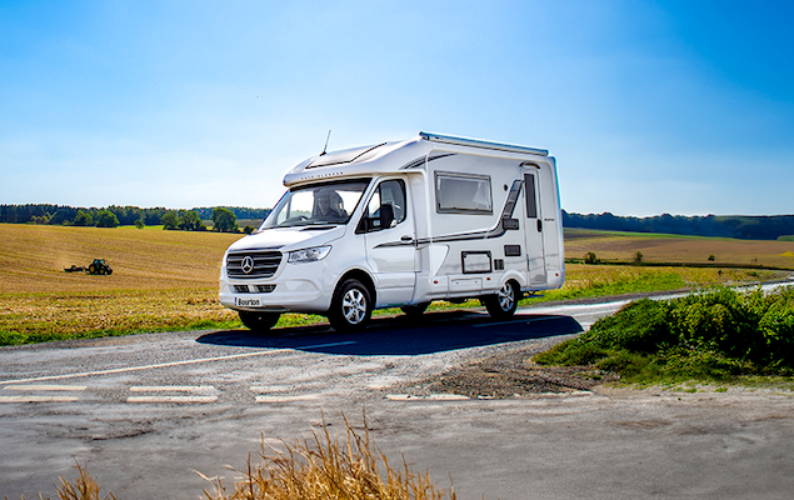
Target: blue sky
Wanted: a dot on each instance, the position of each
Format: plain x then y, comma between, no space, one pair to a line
681,107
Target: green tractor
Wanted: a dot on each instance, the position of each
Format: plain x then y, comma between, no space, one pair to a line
99,267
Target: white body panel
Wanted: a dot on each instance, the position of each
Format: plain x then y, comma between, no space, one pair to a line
464,227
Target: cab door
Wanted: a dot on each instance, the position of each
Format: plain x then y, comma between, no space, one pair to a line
390,239
533,229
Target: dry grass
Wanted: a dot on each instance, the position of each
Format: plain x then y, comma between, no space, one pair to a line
322,468
326,467
26,318
669,248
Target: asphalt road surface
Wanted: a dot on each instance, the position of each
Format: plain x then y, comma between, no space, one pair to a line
144,412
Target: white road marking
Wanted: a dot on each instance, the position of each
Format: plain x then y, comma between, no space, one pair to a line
37,399
172,399
175,363
170,388
285,399
42,387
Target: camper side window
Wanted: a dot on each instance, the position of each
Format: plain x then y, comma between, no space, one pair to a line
386,208
462,193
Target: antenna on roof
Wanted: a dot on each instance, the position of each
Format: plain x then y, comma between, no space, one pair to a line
326,143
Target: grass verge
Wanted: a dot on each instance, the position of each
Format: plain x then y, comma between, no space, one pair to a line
716,336
33,318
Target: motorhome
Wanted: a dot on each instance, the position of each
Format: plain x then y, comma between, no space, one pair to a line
402,224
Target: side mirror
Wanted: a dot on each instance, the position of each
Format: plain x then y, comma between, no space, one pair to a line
386,215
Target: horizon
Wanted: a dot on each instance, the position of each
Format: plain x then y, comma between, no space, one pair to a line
244,207
650,107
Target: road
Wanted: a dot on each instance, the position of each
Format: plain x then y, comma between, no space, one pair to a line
144,412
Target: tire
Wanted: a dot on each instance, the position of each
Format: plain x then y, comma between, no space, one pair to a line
259,322
92,269
503,304
351,308
415,310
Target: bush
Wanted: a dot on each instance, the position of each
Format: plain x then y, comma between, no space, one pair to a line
712,335
591,258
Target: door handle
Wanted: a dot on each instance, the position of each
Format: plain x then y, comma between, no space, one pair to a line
540,225
407,238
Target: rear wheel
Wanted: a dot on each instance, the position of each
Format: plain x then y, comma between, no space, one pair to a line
259,322
351,308
503,305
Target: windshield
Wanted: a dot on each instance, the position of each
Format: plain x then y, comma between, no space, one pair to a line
319,204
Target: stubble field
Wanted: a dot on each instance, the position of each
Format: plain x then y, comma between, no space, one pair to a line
167,280
608,245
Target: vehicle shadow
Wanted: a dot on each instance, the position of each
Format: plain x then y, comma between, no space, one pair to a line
432,332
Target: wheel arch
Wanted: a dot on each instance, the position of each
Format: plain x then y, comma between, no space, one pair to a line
519,282
364,278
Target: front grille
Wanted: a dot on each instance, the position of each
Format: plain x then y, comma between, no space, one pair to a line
262,264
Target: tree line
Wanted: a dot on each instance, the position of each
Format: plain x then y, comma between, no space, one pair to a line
224,219
726,226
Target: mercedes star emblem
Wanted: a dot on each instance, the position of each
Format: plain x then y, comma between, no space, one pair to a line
248,264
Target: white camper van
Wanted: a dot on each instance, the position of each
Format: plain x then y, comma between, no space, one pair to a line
401,224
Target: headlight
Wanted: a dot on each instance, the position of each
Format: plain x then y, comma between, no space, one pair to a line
309,254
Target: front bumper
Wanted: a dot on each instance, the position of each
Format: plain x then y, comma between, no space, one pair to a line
305,288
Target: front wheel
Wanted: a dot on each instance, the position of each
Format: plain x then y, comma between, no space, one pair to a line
259,322
351,308
503,305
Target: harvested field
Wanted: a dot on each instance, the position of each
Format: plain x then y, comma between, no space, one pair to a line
162,280
167,280
32,258
609,245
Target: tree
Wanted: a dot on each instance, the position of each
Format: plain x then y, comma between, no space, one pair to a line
170,221
638,257
224,220
591,258
189,220
83,219
106,218
140,224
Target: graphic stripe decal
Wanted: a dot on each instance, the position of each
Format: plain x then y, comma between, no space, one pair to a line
496,232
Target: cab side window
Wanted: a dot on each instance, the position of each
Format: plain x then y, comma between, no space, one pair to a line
386,208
